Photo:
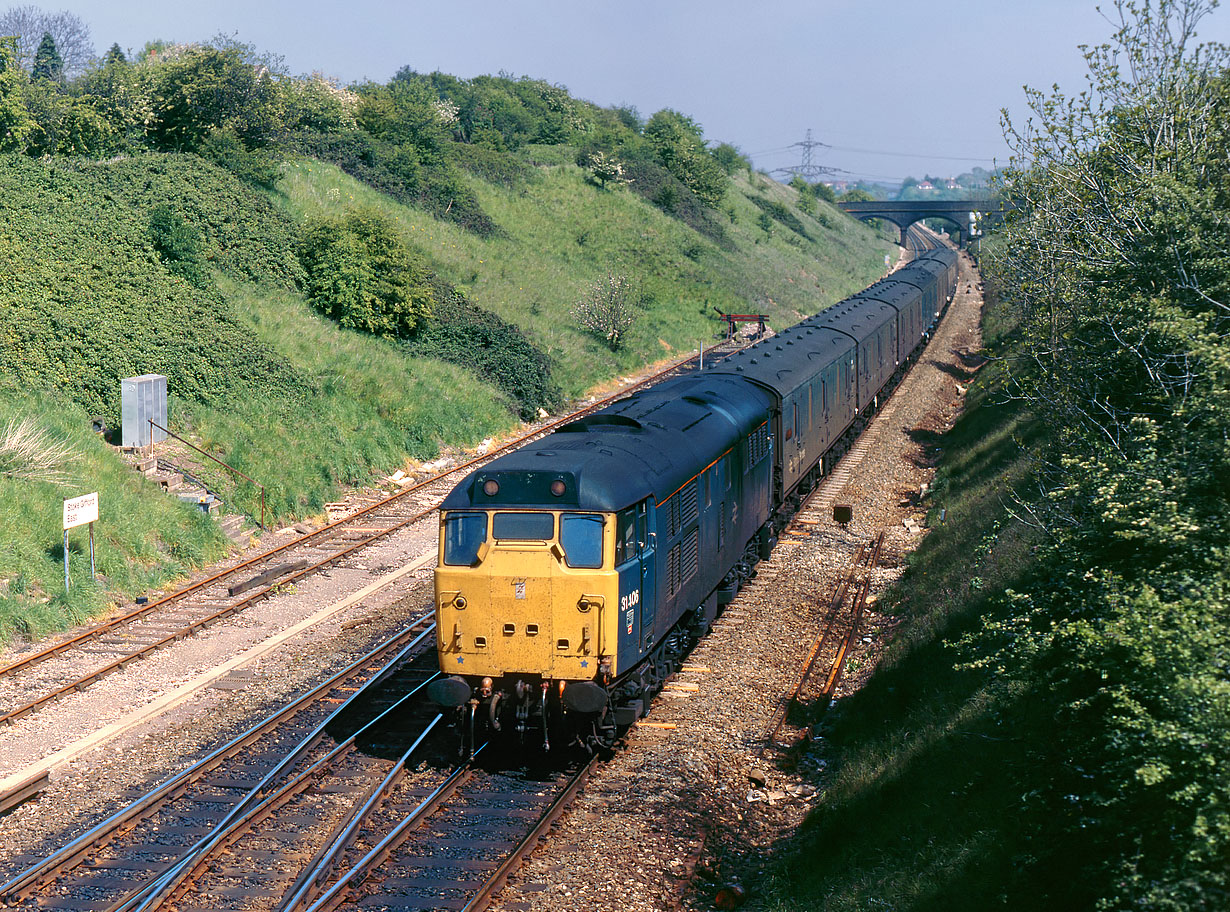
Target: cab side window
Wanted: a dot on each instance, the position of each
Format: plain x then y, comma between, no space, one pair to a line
464,534
625,536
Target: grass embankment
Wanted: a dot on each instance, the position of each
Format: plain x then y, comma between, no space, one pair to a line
928,762
560,233
143,539
254,375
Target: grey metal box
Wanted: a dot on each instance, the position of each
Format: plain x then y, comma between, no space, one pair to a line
143,399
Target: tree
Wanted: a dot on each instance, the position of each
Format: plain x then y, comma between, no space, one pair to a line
120,94
603,167
63,123
316,102
16,124
404,113
730,158
857,195
606,310
70,34
807,194
47,62
680,147
195,90
1116,258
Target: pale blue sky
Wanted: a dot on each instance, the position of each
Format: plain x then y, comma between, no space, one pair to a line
896,88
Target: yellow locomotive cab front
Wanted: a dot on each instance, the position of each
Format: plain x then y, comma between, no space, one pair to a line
526,593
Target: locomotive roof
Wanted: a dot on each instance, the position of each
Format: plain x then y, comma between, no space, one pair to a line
790,358
652,442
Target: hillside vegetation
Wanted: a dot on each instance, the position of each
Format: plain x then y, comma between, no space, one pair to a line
1051,729
338,281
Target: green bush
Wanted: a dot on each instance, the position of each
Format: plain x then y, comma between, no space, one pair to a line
492,165
653,182
194,90
86,299
400,171
177,243
779,212
223,147
361,274
242,233
463,333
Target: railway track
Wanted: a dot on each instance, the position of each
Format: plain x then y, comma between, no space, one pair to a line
182,820
832,644
317,809
32,682
457,846
431,838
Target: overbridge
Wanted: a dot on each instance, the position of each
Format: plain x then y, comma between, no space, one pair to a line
904,213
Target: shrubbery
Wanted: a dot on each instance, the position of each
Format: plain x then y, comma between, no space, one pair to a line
400,172
606,310
83,301
1122,286
360,273
657,185
779,212
177,243
463,333
492,165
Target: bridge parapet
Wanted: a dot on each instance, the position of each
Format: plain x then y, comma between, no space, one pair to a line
904,213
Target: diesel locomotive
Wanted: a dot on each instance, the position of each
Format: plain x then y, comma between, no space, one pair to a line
576,572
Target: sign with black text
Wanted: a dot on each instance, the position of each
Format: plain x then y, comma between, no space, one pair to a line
80,510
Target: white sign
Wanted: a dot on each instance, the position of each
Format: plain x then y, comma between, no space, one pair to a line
80,510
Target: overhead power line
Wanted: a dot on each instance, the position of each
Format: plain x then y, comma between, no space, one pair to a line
963,158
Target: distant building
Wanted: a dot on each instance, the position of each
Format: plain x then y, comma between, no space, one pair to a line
924,185
953,185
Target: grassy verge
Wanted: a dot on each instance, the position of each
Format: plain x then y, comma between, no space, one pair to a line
372,408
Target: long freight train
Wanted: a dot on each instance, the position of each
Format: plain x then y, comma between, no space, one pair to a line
575,572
